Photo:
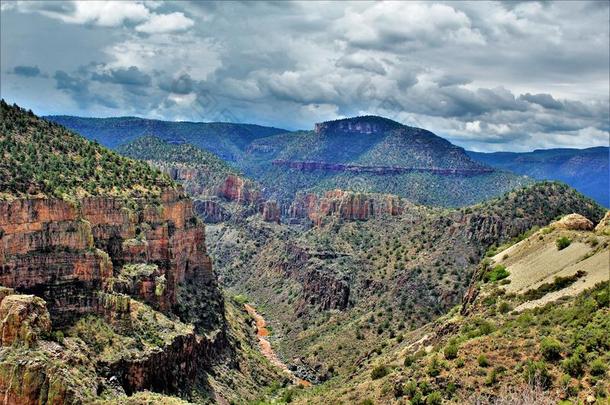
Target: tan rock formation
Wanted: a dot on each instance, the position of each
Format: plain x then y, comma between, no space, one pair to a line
573,222
23,320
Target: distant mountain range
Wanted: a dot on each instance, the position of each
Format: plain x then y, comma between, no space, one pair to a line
227,140
584,169
365,154
373,154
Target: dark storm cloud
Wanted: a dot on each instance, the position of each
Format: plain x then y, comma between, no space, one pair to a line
489,75
131,76
544,100
27,71
183,84
78,89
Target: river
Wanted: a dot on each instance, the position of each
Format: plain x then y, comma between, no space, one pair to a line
265,346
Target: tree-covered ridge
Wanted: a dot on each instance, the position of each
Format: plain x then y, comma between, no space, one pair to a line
225,139
45,159
544,199
153,148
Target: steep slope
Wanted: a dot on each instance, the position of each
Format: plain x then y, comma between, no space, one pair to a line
503,345
219,190
584,169
371,268
227,140
105,282
373,154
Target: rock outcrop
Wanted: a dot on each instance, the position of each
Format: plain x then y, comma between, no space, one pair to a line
211,211
345,205
23,320
235,188
306,166
270,211
365,125
604,224
66,252
574,222
324,291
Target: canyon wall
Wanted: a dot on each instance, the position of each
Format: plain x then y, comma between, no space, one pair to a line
65,252
379,170
345,205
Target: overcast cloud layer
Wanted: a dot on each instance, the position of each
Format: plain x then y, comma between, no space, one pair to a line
487,76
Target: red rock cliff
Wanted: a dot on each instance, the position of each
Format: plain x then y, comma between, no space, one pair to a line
66,252
236,189
345,205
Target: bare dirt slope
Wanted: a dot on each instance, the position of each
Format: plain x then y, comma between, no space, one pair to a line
537,260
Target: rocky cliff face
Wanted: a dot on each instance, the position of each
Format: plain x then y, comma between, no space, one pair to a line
23,318
307,166
360,125
89,257
345,205
66,252
235,188
270,211
323,291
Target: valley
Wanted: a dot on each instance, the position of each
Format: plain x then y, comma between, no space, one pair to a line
304,202
295,290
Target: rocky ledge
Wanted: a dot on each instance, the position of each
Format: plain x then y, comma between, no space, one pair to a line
345,205
366,125
379,170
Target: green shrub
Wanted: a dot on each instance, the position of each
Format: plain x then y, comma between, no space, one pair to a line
451,351
434,398
498,272
417,399
58,336
492,376
504,307
459,363
482,360
434,367
537,374
288,396
573,365
598,367
379,372
240,299
565,383
550,348
410,389
409,360
558,283
563,242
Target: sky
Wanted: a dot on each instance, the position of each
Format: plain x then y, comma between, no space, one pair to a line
488,76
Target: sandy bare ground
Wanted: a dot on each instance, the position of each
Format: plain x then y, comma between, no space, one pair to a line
536,260
597,268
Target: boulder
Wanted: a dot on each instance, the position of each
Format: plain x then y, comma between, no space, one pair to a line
573,222
23,320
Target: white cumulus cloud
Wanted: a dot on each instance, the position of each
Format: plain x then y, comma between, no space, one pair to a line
164,23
